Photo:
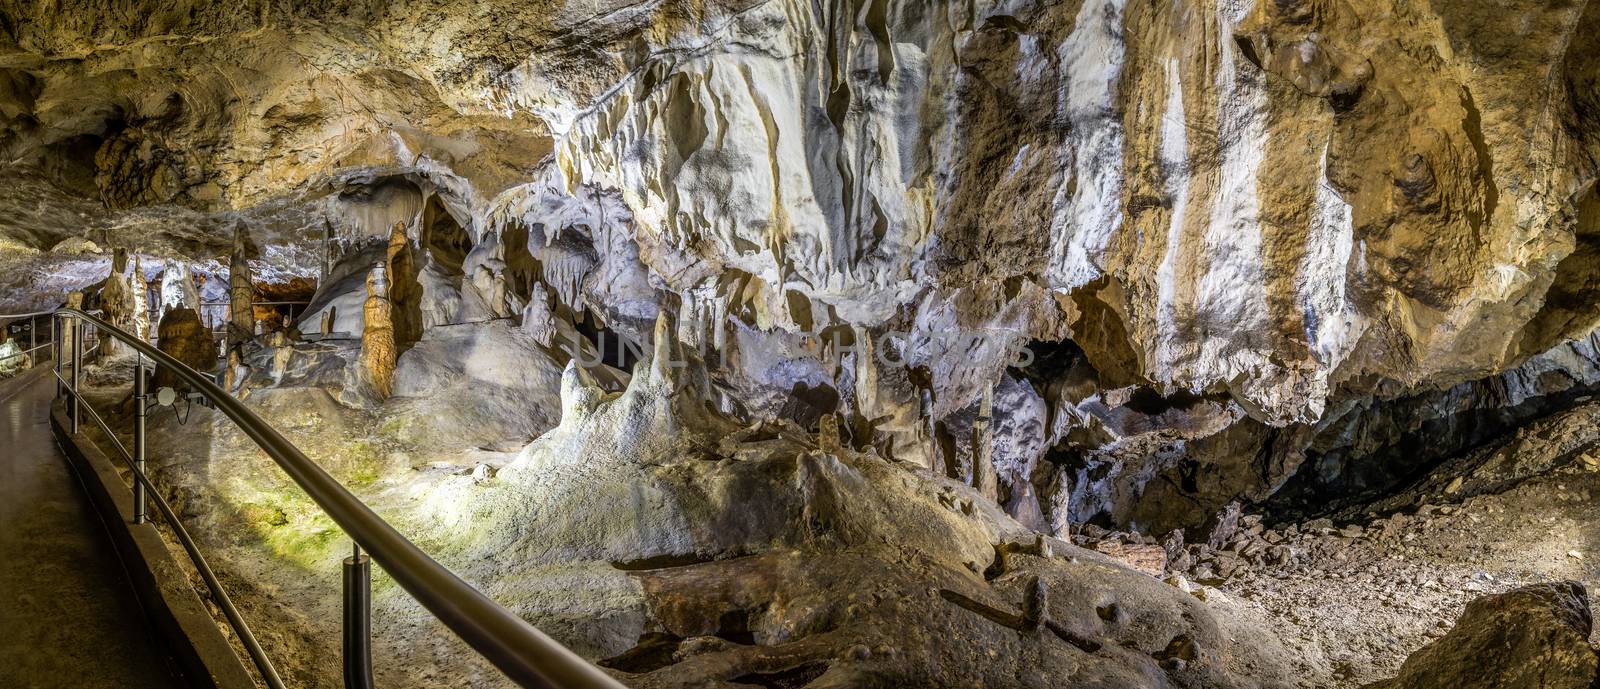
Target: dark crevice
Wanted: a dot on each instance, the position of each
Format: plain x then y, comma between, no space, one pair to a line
734,625
1474,128
654,651
444,238
615,349
791,678
660,562
1345,478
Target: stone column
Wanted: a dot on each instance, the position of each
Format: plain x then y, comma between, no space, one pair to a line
139,301
377,334
241,292
116,302
69,328
983,474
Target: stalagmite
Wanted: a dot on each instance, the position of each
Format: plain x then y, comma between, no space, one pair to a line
402,290
537,319
241,292
235,372
139,301
182,335
828,434
983,473
1036,608
377,335
12,359
927,432
177,289
117,301
282,353
866,375
69,328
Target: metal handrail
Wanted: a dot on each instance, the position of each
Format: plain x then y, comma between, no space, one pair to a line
516,648
258,656
26,352
253,303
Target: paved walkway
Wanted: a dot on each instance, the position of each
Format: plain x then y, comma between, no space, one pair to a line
68,617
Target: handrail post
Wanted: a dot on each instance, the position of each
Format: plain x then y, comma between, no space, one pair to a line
357,620
77,374
140,390
55,349
33,328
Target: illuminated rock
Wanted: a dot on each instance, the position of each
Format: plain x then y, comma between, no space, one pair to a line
377,334
182,336
118,303
241,291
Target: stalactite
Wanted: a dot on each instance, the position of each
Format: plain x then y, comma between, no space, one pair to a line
564,272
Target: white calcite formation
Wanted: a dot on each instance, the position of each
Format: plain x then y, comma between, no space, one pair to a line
178,289
1188,244
777,343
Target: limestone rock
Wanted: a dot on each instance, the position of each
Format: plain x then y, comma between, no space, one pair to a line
117,302
1254,251
139,301
181,335
377,335
12,360
241,291
178,287
1532,637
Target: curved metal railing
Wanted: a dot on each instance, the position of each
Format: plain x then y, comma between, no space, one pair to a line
6,319
522,652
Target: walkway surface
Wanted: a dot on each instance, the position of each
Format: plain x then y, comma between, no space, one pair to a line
68,617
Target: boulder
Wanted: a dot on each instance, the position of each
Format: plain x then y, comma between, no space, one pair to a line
181,335
1535,637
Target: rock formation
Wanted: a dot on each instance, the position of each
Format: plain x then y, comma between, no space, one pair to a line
139,301
241,292
404,292
117,302
1533,637
1265,215
537,319
734,519
67,338
182,335
377,334
1142,266
12,360
178,289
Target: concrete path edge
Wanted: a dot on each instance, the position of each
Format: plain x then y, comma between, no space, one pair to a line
169,600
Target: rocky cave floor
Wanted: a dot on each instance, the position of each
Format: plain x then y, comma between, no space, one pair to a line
1352,601
1344,602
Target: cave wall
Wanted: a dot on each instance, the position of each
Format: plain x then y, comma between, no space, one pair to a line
1246,218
